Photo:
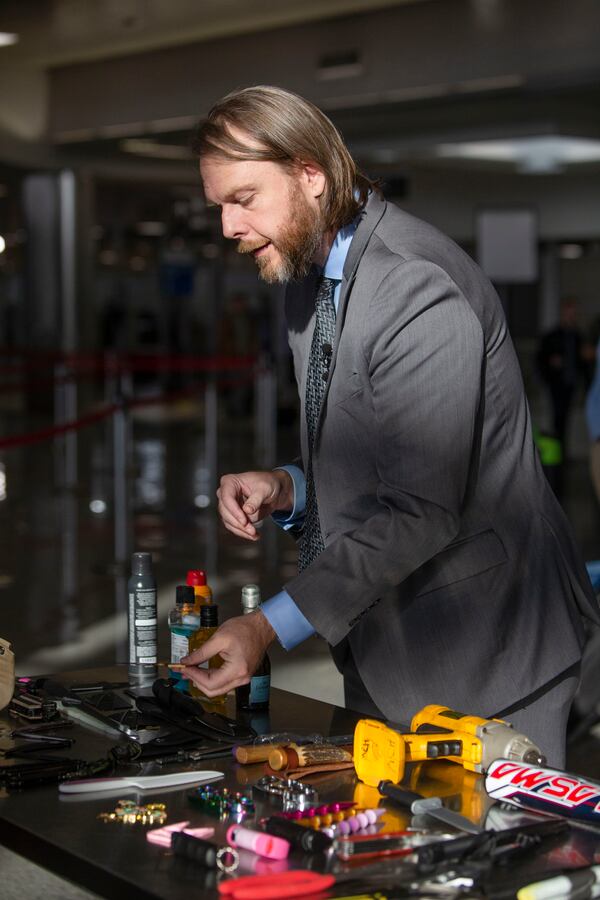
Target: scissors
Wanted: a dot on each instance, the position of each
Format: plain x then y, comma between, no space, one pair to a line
293,883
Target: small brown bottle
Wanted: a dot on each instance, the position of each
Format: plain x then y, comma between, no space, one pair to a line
209,622
255,694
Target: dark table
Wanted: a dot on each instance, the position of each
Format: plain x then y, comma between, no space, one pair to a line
64,834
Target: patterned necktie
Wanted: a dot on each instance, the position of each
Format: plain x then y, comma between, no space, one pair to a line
319,361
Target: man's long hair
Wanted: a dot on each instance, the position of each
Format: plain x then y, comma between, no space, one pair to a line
285,128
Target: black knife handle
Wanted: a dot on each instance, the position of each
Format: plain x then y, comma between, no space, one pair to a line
397,794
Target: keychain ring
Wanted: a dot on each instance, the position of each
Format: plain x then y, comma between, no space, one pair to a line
234,859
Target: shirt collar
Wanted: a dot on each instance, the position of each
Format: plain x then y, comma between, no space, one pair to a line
334,265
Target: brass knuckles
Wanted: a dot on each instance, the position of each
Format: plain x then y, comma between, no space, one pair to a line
224,853
294,794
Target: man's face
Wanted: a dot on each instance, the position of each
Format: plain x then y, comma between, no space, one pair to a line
272,212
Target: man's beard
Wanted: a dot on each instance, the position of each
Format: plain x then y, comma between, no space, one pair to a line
297,244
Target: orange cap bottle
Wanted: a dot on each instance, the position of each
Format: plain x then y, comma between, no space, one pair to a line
197,579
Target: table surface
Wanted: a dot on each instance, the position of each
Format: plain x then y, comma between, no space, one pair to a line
64,834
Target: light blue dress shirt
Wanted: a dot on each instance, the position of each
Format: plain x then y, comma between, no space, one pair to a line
290,625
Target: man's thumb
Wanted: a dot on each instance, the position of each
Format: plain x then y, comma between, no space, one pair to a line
254,502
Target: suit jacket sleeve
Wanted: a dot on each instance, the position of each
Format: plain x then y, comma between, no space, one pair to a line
425,357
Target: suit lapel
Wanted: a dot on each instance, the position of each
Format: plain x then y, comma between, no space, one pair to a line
300,312
300,304
373,212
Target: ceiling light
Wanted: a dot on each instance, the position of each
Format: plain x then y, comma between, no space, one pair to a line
121,130
155,149
7,38
539,155
175,123
2,244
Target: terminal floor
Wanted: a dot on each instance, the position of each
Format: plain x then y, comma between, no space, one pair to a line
62,590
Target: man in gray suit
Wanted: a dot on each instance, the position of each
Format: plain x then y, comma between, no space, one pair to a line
434,558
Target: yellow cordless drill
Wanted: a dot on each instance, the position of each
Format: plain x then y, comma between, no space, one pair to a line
436,732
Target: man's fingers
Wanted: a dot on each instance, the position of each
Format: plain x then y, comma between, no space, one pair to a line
245,499
241,643
211,647
245,530
213,682
229,503
259,496
249,533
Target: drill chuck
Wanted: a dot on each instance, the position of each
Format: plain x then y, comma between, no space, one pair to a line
533,757
501,741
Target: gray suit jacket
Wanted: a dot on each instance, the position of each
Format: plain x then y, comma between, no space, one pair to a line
449,567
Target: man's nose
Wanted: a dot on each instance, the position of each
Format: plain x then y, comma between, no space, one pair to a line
232,223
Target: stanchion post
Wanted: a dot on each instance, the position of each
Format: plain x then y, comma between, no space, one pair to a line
211,434
71,440
65,410
120,480
59,418
70,619
265,417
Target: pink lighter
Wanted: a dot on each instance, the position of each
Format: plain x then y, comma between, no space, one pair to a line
264,844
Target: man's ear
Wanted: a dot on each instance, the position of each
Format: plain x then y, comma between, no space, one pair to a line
313,177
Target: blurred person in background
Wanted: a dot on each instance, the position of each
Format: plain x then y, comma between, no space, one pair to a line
592,414
563,366
433,555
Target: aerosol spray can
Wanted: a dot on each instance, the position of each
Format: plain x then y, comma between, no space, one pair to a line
143,616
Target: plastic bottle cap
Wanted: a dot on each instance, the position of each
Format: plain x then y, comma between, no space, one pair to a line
209,616
196,577
184,593
251,596
203,593
141,563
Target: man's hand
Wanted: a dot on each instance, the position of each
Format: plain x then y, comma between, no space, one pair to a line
241,642
249,497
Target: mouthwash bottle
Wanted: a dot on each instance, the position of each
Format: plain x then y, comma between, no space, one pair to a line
184,621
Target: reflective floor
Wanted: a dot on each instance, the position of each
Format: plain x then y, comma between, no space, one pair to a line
62,580
62,576
63,565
